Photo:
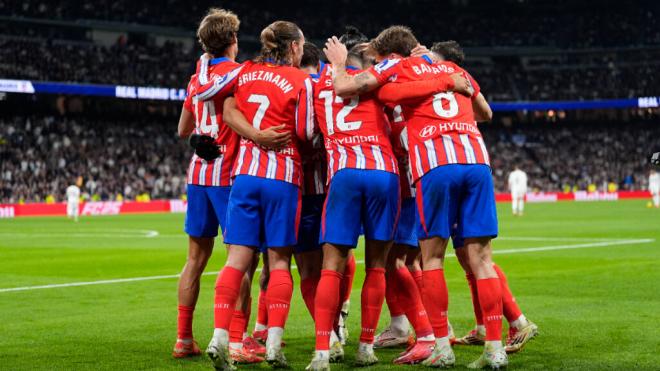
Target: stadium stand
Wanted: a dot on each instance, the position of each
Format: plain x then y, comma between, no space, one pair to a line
571,54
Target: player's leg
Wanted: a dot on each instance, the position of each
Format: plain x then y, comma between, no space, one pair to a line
414,264
242,242
281,207
201,225
339,232
521,330
437,194
656,199
308,252
260,332
514,203
477,224
249,342
477,335
397,333
380,213
345,297
521,204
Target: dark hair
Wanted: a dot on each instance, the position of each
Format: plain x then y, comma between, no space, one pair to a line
352,37
449,50
217,31
311,55
275,41
395,39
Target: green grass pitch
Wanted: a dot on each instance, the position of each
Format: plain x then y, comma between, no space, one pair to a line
586,273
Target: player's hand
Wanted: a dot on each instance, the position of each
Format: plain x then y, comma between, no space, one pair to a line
335,51
421,50
462,85
205,146
273,138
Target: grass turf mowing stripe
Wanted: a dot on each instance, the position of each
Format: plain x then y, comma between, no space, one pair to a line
610,242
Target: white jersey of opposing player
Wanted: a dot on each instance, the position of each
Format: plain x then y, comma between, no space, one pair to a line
654,183
72,194
518,182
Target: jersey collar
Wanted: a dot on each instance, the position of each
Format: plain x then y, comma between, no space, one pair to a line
427,59
215,61
352,68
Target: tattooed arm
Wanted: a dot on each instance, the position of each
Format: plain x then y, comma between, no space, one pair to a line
346,85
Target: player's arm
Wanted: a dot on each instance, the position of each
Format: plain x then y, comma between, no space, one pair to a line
270,138
186,123
187,118
305,123
481,108
224,85
346,85
412,91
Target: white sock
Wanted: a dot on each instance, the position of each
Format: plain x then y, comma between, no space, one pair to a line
259,327
494,344
400,324
274,337
481,330
441,342
236,346
345,306
656,200
429,337
521,206
520,322
185,341
245,335
322,354
220,336
333,337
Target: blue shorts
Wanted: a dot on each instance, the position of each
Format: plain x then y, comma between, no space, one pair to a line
457,194
360,198
406,230
263,213
207,209
310,224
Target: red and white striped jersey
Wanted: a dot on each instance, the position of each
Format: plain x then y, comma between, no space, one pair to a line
441,129
399,139
269,95
208,121
356,130
315,167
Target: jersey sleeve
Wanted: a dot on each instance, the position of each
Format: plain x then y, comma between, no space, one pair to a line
305,111
414,90
224,85
386,70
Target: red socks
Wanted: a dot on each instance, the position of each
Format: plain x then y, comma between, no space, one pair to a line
262,309
411,301
308,289
184,322
418,276
227,288
490,298
347,281
509,306
472,282
325,306
373,295
280,290
391,298
237,326
436,301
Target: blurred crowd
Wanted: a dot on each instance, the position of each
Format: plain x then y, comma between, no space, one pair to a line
575,156
41,155
558,23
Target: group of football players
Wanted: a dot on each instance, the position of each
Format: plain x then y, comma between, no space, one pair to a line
297,158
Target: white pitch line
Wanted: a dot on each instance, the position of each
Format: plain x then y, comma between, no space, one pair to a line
122,234
504,251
